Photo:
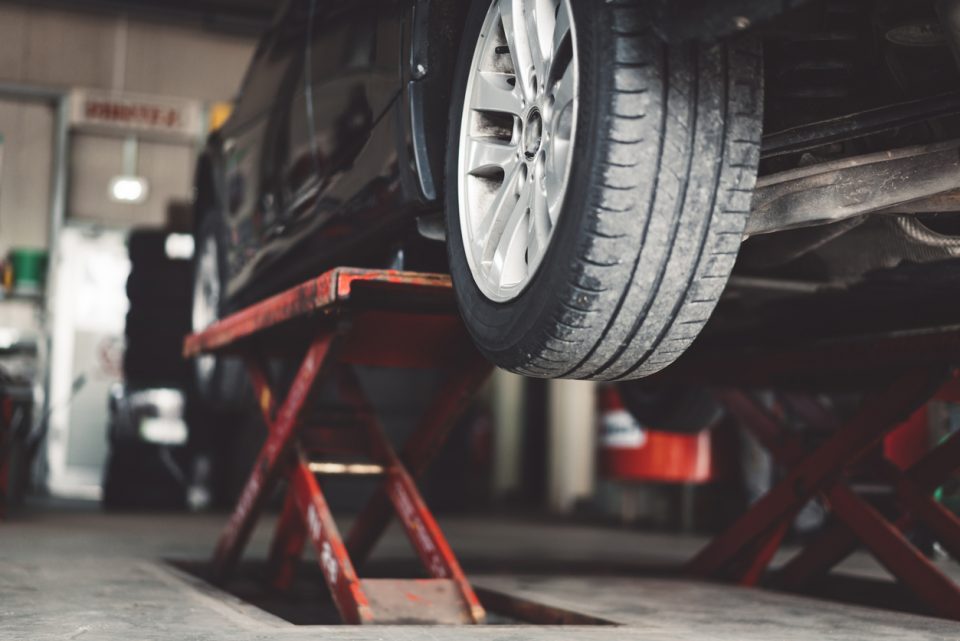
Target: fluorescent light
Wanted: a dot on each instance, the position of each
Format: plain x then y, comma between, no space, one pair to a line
179,246
128,189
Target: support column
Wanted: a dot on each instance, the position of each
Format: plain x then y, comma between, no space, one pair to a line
571,441
508,401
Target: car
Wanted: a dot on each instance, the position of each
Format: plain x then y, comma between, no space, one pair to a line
592,165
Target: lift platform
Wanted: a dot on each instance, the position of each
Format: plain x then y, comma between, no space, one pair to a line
897,373
343,318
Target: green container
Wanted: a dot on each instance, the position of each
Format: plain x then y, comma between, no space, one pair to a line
29,270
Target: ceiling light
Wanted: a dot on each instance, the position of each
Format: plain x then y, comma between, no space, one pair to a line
128,189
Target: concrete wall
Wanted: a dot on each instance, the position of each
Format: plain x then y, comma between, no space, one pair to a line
51,47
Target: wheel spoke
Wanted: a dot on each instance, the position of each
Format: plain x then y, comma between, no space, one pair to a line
493,92
523,42
535,19
485,154
555,175
491,225
508,264
540,223
561,28
565,90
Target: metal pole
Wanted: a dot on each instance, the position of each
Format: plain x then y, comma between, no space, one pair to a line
571,443
59,100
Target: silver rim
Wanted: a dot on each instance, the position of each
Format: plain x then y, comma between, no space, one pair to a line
516,141
206,303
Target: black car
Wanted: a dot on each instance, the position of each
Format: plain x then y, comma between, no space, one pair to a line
591,164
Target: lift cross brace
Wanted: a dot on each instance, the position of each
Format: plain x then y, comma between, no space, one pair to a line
744,550
352,317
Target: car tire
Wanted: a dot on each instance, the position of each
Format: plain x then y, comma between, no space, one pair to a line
161,286
159,312
220,382
667,147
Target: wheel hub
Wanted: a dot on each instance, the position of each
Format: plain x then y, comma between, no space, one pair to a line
532,134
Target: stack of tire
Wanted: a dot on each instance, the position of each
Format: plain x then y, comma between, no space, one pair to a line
140,474
159,289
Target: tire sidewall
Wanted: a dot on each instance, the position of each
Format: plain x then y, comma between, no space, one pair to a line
220,390
506,332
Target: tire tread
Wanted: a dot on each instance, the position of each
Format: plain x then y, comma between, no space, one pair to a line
632,323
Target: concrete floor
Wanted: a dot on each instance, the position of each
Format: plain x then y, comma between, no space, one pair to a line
80,574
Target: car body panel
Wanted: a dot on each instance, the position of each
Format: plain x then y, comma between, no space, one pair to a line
310,161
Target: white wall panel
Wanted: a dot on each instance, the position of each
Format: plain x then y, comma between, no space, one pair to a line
168,169
27,129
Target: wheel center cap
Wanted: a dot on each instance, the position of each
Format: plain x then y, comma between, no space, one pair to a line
532,134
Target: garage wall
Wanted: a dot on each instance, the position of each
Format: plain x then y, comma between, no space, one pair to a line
25,173
167,167
64,49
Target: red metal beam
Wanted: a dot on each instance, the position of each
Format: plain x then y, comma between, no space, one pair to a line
332,555
289,538
943,523
417,520
765,548
421,448
878,414
893,550
837,542
277,446
314,296
883,539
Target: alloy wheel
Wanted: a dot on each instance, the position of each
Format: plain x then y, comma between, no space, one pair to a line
516,141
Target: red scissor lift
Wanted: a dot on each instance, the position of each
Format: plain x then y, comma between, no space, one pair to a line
904,370
351,317
397,319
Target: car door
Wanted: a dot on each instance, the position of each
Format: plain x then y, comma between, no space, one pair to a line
352,68
262,155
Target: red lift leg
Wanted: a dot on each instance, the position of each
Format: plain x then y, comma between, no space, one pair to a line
856,519
399,320
419,450
878,415
265,470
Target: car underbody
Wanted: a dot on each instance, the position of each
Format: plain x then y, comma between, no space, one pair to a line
853,225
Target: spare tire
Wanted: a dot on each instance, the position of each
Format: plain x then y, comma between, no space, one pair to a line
606,267
220,381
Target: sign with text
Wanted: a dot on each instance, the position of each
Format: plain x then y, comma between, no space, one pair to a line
126,113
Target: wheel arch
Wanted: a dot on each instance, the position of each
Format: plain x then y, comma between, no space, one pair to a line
436,31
